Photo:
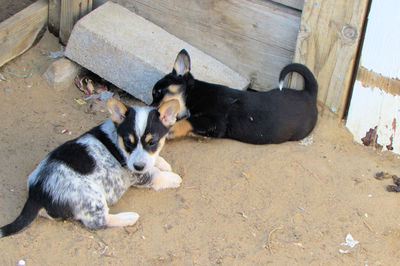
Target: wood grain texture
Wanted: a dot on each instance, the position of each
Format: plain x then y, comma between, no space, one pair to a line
296,4
255,38
71,12
327,43
380,51
371,79
54,16
19,32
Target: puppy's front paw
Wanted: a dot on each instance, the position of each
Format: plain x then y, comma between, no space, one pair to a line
166,180
121,219
162,164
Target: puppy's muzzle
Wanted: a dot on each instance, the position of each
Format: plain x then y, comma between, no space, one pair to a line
139,166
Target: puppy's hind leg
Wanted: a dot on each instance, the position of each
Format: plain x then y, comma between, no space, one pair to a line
102,218
180,129
43,213
93,212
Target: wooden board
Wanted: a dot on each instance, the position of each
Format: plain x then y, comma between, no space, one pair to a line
253,37
327,43
375,100
71,12
296,4
54,16
19,32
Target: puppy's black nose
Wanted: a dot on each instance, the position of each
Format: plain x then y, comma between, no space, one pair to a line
138,166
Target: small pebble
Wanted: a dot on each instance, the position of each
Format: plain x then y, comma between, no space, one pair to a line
21,263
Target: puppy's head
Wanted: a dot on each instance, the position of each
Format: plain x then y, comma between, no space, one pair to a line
175,84
141,131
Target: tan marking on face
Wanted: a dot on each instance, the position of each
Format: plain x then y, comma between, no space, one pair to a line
174,88
180,129
122,145
148,137
131,138
161,144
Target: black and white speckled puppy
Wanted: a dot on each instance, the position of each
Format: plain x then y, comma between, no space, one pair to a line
80,178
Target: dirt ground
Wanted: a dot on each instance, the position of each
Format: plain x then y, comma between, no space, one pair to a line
239,204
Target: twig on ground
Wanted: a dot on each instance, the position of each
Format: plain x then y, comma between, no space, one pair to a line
268,244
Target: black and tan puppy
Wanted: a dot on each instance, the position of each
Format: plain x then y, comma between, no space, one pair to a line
213,110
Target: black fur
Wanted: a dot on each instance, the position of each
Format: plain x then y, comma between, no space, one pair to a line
28,214
249,116
102,137
156,129
126,128
54,208
75,156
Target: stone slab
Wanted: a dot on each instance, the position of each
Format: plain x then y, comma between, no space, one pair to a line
133,53
61,73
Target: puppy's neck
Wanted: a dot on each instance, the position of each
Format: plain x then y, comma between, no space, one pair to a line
108,127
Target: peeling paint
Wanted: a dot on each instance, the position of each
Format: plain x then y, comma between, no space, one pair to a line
371,138
375,102
377,110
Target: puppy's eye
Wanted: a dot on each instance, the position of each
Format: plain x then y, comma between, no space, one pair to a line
152,142
157,91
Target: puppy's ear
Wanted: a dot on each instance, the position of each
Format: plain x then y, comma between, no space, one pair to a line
117,110
182,63
168,112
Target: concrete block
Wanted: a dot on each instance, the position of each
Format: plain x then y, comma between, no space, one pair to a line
61,73
133,53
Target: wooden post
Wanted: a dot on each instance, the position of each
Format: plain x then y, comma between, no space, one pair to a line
327,43
54,16
20,31
71,12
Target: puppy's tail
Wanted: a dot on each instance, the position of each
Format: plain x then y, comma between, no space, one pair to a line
310,83
28,214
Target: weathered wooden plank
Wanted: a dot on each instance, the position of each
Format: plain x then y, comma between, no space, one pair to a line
255,38
54,16
375,101
296,4
380,51
371,79
19,32
327,43
71,12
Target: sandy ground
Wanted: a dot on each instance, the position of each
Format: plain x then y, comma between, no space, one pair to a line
239,204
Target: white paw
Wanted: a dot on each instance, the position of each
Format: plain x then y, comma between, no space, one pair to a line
166,180
130,217
122,219
162,164
43,213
